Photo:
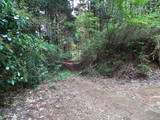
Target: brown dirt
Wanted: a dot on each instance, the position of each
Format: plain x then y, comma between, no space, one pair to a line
89,98
72,65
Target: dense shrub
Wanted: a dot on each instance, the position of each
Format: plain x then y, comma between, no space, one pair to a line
23,57
117,32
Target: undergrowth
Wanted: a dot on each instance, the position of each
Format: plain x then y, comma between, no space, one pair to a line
60,76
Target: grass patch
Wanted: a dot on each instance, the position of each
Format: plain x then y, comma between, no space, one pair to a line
62,75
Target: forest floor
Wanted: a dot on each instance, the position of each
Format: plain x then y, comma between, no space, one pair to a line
88,98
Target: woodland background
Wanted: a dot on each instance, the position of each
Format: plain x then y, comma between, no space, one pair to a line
37,36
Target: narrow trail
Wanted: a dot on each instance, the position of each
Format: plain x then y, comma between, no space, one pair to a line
88,98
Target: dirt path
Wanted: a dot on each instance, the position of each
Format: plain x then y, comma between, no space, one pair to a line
87,98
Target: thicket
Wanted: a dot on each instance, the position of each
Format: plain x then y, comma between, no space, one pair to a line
114,32
24,56
37,35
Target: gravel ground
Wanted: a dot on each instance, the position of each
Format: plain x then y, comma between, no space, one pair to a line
89,98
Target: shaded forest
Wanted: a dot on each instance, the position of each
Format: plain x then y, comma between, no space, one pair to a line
38,36
107,52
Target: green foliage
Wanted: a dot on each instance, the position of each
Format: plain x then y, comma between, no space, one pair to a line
156,52
53,56
108,67
144,62
11,18
62,75
86,26
145,19
118,29
86,23
105,30
145,67
105,70
53,86
23,56
51,7
95,47
20,58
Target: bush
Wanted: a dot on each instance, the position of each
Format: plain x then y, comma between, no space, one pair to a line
119,32
23,57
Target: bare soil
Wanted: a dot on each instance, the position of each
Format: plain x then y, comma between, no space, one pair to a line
89,98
